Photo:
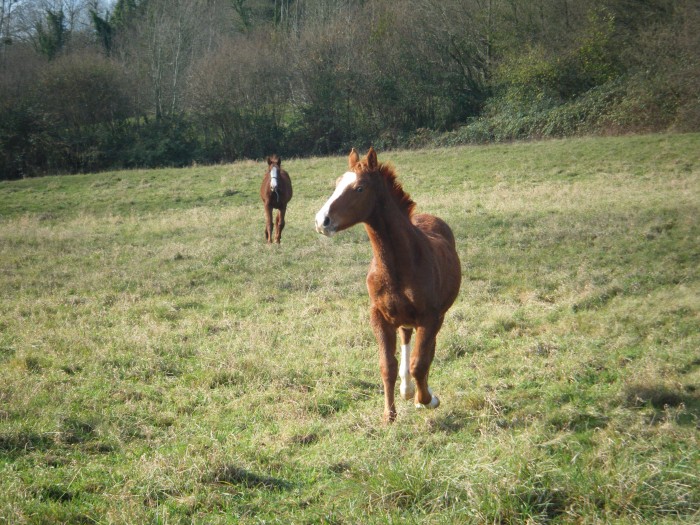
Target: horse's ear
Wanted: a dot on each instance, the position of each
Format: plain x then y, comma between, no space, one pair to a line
269,161
353,159
371,158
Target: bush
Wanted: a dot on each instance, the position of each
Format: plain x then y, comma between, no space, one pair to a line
166,142
21,149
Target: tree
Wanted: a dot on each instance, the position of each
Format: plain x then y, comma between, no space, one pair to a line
83,90
240,109
6,8
51,38
104,30
124,13
244,13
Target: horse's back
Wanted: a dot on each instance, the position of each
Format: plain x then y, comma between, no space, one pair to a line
288,183
444,247
435,228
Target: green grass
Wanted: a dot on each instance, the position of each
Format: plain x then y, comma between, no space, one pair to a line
160,364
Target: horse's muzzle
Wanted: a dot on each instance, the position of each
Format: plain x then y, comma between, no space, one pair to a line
324,224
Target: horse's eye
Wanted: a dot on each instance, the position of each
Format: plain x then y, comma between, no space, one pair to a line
359,189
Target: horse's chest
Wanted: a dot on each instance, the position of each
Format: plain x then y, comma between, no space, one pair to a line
397,305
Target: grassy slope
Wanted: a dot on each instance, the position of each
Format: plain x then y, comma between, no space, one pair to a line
159,363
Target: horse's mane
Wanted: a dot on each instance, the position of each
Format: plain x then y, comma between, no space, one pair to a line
403,199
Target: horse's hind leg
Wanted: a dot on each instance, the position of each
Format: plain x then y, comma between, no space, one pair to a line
407,388
421,360
279,223
268,223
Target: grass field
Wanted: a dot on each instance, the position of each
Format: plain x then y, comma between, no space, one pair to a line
160,364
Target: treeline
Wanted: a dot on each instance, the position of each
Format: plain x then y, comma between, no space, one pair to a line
89,85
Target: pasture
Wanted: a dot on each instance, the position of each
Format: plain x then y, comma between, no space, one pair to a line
159,363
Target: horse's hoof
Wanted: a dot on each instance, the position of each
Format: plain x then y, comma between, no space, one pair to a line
407,390
434,402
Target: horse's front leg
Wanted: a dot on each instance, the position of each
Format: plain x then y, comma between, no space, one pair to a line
279,223
421,360
386,337
268,223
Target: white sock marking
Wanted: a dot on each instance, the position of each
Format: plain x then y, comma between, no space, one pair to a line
407,388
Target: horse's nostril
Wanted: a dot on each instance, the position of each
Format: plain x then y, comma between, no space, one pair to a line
326,221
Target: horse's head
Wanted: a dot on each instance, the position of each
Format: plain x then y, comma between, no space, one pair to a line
274,164
354,196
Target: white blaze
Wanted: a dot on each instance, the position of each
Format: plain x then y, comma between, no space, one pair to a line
348,179
274,174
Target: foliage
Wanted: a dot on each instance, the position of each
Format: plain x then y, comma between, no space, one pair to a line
104,30
51,37
308,77
166,142
124,12
21,150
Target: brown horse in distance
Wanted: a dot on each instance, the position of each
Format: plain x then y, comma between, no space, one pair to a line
414,276
275,192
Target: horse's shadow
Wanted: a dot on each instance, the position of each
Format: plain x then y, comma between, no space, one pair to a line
682,404
234,475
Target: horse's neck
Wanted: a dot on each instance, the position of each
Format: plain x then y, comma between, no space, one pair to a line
392,236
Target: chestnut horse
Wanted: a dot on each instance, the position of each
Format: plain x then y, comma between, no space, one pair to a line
275,192
414,276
